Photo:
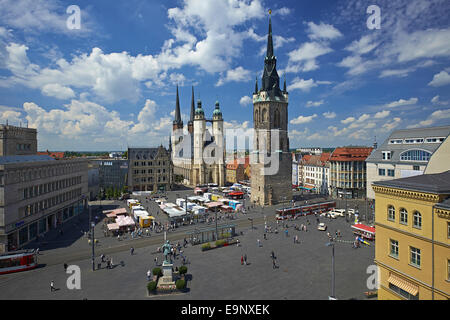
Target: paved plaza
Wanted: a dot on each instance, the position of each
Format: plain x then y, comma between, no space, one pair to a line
303,270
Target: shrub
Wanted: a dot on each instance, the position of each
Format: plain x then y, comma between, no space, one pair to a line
151,286
181,284
182,270
206,246
157,272
220,243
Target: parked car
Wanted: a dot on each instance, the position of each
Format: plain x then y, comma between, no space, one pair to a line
337,213
351,211
322,227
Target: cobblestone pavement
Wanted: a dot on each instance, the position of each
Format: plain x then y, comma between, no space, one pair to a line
304,269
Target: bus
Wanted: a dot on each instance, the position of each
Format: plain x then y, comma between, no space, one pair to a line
236,195
304,210
16,261
364,231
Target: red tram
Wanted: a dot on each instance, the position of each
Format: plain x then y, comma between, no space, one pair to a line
307,209
18,261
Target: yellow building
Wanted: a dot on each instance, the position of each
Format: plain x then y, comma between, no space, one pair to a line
412,250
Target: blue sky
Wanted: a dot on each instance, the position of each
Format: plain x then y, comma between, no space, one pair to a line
112,83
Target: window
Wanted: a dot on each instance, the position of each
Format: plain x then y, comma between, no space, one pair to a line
448,230
391,172
391,213
415,257
402,292
448,269
386,155
403,216
396,141
417,220
394,248
415,155
381,172
416,168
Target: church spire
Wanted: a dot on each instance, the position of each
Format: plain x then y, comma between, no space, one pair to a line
269,39
177,110
192,106
270,80
256,85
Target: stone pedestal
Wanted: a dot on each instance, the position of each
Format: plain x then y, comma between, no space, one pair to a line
167,278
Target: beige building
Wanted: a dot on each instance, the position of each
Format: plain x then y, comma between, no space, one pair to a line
406,153
199,154
412,247
149,169
37,192
17,141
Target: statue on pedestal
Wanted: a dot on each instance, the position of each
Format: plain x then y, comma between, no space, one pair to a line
167,250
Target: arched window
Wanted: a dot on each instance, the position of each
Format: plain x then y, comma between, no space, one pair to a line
415,155
391,213
403,216
256,115
417,221
276,120
264,115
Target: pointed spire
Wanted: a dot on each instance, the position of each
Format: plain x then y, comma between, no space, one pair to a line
177,110
256,85
269,38
192,106
284,85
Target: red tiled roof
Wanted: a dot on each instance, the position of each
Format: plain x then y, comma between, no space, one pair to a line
236,162
350,154
54,155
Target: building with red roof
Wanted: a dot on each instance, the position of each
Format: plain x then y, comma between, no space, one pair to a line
54,155
348,171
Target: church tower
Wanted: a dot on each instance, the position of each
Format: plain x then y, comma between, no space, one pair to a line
177,128
217,131
271,161
198,174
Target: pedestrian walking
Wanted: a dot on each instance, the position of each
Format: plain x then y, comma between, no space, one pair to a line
102,257
273,264
156,261
259,242
265,237
242,260
245,259
65,267
132,250
286,232
148,275
52,286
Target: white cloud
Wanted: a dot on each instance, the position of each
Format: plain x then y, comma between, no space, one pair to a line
440,79
329,115
402,102
322,31
57,91
314,103
303,119
389,126
305,85
304,58
433,118
382,114
245,101
283,11
436,100
238,74
348,120
363,45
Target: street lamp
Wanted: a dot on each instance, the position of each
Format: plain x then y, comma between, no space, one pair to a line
93,246
333,296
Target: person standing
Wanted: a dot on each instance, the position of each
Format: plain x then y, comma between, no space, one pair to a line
148,275
52,286
242,260
132,250
245,259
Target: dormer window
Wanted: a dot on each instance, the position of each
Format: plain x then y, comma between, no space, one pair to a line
386,155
